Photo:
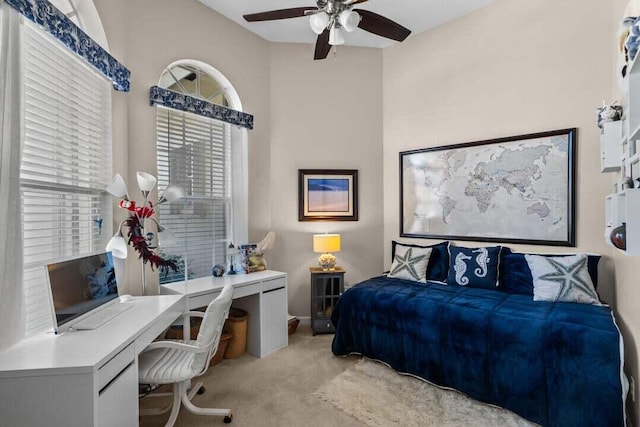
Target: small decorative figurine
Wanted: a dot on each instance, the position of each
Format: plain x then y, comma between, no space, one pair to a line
608,113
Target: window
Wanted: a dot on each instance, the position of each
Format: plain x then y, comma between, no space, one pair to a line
201,155
66,163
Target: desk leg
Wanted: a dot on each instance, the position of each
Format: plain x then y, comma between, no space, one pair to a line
251,304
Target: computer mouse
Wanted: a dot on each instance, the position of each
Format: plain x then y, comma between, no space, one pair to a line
125,298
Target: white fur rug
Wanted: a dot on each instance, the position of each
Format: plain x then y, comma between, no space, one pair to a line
378,396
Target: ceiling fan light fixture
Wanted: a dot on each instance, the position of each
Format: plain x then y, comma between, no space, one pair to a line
349,20
319,22
336,36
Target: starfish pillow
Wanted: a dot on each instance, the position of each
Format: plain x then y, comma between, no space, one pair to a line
410,263
563,279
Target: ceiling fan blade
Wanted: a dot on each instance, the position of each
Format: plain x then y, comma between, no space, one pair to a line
322,46
294,12
352,2
385,27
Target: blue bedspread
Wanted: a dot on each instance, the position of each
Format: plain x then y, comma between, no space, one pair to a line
557,364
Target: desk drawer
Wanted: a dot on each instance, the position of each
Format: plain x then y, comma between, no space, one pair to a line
268,285
202,300
246,290
111,369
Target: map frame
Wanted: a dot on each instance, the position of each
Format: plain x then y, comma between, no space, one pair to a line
565,139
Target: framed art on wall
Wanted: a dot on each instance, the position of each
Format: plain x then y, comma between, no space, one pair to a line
327,195
519,189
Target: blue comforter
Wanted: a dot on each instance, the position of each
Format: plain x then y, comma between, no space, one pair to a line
557,364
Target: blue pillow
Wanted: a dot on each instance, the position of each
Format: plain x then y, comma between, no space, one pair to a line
438,261
515,275
474,267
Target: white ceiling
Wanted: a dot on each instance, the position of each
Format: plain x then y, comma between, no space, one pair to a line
416,15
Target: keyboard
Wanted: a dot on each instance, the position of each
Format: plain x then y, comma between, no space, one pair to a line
99,318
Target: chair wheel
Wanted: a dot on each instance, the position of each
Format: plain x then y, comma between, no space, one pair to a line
228,419
201,390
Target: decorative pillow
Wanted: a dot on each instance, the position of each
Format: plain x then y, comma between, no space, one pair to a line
438,266
474,267
410,263
515,275
563,278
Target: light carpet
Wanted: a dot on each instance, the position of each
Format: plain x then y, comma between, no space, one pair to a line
376,395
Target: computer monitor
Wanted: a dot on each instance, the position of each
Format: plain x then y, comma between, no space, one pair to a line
80,285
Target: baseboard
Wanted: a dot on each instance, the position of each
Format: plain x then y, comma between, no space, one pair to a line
305,320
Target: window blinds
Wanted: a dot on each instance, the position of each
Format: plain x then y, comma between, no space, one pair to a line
194,153
66,164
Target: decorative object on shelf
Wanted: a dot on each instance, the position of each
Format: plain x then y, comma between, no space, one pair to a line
144,241
217,270
627,183
232,251
532,201
608,113
327,195
632,43
619,236
324,244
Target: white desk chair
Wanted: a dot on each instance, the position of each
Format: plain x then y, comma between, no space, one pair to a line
176,362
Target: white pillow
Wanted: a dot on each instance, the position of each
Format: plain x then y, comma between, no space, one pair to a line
410,263
563,278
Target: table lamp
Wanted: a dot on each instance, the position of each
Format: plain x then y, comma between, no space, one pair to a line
324,244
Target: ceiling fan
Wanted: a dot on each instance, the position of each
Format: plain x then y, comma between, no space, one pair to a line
329,18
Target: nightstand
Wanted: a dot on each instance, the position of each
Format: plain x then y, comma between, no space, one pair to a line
326,288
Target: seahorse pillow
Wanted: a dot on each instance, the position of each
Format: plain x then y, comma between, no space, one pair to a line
563,278
474,267
410,263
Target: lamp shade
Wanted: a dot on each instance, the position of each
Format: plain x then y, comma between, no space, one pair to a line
349,20
146,181
318,22
117,246
325,243
171,194
336,37
117,187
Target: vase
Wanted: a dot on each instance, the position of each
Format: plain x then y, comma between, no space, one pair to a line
619,236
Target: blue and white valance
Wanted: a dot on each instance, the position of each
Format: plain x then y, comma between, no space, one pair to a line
61,27
182,102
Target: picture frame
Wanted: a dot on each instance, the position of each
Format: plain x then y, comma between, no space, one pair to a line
518,189
327,195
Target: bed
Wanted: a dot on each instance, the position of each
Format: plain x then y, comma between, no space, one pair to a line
552,362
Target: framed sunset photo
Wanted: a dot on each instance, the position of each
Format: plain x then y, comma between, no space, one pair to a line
327,195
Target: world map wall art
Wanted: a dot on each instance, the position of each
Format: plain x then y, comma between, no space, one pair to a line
519,189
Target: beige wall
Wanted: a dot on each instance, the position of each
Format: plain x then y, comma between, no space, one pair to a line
515,67
148,35
325,115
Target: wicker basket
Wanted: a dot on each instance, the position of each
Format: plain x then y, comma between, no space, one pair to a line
236,324
292,325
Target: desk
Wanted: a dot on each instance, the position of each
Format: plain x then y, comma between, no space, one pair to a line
262,294
84,378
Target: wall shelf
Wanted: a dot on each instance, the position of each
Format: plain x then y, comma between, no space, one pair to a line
620,152
624,208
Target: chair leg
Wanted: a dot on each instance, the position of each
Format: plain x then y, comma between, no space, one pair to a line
189,406
177,392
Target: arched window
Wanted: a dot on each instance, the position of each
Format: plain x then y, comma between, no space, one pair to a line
207,158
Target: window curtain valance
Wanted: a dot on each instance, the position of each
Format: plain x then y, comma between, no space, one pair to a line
182,102
62,28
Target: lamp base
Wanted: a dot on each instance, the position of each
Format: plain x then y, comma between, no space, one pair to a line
327,262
